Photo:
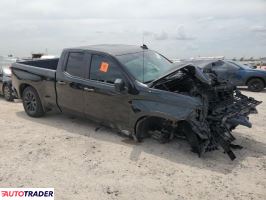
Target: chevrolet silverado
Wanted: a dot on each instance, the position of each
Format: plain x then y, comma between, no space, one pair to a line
138,92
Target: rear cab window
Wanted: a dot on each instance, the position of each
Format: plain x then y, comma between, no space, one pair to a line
104,69
78,64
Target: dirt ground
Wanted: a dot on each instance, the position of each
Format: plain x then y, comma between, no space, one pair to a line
66,153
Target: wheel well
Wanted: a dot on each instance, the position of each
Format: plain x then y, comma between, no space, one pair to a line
256,78
144,119
146,123
22,87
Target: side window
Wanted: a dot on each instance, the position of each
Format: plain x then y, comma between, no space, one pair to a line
104,70
76,64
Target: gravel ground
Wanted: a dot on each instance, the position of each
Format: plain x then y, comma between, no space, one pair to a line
66,153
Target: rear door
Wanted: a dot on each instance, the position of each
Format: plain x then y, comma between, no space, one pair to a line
71,81
102,101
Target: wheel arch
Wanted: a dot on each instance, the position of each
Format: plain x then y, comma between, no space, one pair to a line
255,77
23,86
143,121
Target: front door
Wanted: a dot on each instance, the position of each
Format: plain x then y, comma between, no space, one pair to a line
102,101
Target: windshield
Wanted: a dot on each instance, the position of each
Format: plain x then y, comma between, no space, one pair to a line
154,64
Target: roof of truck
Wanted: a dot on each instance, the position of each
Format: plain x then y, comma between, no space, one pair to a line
113,49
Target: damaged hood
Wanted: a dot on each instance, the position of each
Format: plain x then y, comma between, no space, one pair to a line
194,70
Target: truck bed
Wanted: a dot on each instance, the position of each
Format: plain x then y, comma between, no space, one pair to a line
46,64
40,74
45,68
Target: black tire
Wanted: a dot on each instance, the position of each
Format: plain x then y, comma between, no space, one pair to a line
7,92
32,103
255,85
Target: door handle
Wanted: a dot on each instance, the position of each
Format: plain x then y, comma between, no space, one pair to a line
88,89
61,82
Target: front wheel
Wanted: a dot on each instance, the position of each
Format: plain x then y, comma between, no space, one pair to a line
7,91
255,85
32,103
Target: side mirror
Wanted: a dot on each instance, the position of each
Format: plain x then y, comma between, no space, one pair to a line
119,85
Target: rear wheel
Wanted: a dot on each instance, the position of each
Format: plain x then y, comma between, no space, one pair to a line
32,103
7,91
255,85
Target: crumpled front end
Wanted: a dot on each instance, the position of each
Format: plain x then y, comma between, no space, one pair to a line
224,108
222,118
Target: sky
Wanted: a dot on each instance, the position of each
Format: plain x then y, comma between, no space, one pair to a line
175,28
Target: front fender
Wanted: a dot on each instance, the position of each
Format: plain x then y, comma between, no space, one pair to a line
174,112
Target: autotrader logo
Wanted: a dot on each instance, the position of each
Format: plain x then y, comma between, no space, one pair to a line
26,193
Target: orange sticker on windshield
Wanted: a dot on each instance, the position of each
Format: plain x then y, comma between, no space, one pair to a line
104,67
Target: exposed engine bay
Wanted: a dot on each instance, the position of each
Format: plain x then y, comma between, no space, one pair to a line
224,108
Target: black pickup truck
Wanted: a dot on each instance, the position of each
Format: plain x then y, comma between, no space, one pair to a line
138,92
